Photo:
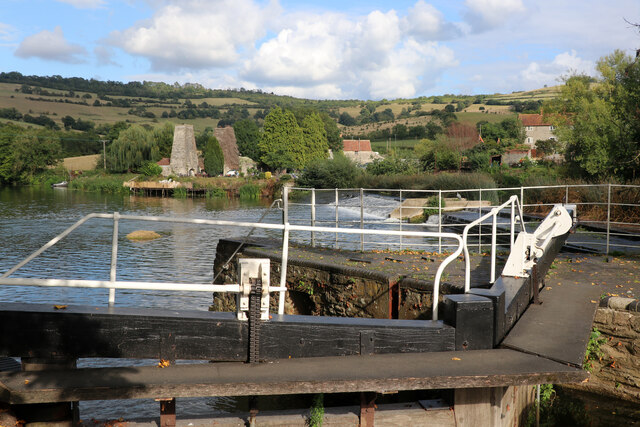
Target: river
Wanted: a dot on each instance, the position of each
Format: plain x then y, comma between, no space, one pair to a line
31,216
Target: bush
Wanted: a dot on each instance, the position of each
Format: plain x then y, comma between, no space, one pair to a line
339,172
249,192
151,169
180,193
215,193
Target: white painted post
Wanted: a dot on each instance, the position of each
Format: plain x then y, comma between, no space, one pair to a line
480,224
336,217
361,219
401,219
608,215
313,217
513,224
439,221
283,268
114,258
494,230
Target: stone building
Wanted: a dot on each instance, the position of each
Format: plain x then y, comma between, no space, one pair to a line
228,144
536,128
184,155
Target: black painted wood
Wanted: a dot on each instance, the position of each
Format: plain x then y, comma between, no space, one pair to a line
82,331
472,317
377,373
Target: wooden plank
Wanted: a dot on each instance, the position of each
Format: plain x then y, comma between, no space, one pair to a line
560,327
377,373
82,331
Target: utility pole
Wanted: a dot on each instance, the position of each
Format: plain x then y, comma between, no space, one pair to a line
104,152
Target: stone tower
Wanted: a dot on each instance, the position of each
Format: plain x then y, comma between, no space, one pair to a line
184,156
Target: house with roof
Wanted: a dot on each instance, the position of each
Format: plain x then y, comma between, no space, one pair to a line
359,151
536,129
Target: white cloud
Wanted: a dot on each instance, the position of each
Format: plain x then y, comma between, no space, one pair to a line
84,4
333,56
488,14
7,32
104,55
538,74
196,33
51,46
425,22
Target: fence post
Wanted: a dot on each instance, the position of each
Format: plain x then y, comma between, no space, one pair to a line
439,221
285,205
480,225
114,258
513,224
336,217
566,194
400,219
313,217
361,219
608,215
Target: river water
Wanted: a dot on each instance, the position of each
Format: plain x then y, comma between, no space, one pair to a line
31,216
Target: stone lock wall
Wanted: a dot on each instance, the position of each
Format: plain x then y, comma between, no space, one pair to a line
323,289
617,372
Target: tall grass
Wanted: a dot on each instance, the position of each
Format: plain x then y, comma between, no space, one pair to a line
249,192
100,184
180,193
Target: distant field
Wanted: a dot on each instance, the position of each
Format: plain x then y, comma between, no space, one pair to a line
81,163
473,118
400,145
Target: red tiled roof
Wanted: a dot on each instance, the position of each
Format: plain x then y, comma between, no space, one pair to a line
356,145
165,161
533,120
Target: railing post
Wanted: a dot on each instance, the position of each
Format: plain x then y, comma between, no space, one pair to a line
480,225
285,205
313,217
608,215
494,230
283,267
361,219
114,258
401,219
336,217
439,221
566,194
513,224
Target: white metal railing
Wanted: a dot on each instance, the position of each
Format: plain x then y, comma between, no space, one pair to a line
112,284
599,228
493,213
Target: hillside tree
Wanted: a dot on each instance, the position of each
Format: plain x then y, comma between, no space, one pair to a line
248,137
213,157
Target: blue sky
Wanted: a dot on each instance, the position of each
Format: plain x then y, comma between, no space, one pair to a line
319,49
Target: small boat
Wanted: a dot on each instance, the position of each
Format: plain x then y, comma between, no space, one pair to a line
62,184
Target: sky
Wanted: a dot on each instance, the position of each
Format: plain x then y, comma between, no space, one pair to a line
319,49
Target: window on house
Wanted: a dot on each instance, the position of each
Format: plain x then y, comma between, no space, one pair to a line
552,127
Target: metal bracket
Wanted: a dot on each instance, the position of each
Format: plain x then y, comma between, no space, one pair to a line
250,272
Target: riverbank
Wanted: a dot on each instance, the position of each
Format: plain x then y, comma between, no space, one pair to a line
179,187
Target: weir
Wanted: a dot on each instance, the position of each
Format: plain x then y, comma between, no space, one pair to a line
482,343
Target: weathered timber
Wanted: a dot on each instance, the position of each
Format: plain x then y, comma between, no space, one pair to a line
378,373
560,327
84,331
472,316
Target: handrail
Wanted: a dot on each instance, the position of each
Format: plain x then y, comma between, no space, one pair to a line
513,201
113,284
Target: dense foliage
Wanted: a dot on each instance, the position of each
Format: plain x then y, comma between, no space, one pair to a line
247,136
339,172
26,152
133,147
213,157
286,145
600,122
